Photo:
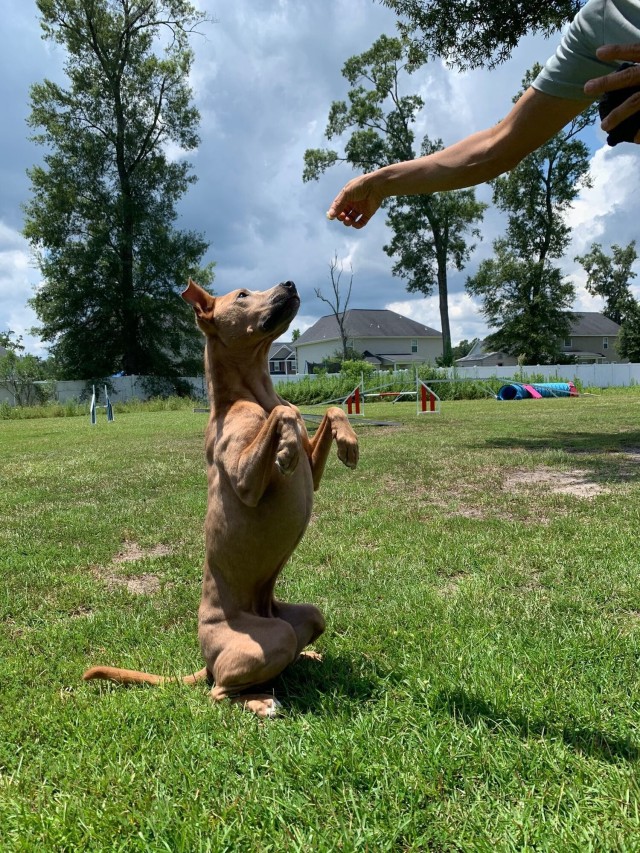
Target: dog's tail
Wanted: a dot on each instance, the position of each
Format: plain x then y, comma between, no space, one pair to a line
132,676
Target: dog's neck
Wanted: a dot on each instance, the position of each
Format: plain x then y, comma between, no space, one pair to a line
238,376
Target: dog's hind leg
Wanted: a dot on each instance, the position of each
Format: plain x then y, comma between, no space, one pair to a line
305,619
254,650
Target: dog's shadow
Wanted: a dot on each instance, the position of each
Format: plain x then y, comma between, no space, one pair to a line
470,710
309,684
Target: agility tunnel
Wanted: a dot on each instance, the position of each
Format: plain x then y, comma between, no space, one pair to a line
536,390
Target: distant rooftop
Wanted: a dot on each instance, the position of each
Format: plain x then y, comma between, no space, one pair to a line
367,323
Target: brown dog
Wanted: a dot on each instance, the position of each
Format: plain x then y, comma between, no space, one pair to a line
262,469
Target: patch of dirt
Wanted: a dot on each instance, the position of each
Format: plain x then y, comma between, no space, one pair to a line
16,631
81,612
131,552
451,584
575,482
393,486
470,512
145,584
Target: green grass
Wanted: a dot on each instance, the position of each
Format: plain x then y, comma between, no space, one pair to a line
480,688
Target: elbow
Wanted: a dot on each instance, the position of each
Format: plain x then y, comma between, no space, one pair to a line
248,496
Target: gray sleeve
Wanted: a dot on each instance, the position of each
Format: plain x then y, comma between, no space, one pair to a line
575,62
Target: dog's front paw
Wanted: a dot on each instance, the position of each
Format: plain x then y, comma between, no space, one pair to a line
288,452
287,457
347,443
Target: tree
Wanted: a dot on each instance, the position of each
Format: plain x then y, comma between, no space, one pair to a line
475,33
429,231
629,337
20,372
100,219
339,302
525,297
7,341
430,237
463,348
608,276
295,334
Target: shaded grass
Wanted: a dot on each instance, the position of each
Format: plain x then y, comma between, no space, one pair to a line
479,688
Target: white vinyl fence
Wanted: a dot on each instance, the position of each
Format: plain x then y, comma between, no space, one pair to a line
125,388
121,389
592,375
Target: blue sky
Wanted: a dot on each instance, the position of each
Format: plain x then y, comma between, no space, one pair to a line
264,77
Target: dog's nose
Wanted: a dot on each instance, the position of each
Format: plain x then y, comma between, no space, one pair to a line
289,285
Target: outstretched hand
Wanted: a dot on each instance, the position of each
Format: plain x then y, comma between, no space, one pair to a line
627,78
356,203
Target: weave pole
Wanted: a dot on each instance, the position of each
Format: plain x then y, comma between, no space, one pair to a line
93,413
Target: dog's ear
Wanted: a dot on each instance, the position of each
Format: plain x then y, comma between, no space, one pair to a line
203,303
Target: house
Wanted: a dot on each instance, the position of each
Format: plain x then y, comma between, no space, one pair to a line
593,339
481,356
282,359
385,339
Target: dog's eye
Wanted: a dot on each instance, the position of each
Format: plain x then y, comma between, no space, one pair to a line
242,295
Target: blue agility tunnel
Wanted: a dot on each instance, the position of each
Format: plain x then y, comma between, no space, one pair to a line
536,390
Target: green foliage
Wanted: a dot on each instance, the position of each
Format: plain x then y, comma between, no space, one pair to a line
23,376
463,348
629,337
475,33
316,389
11,342
357,368
100,218
608,276
527,301
430,232
430,236
524,296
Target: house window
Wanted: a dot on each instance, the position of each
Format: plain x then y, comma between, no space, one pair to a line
568,343
414,345
605,343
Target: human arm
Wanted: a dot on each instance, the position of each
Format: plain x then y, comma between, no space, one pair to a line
624,79
533,120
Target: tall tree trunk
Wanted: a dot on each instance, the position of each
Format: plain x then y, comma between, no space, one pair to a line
130,345
443,296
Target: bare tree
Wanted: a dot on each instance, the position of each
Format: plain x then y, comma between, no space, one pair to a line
340,300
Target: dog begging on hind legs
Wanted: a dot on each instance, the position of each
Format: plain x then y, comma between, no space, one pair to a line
262,471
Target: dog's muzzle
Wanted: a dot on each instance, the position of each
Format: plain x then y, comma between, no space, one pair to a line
284,306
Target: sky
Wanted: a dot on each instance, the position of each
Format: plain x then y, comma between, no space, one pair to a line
264,76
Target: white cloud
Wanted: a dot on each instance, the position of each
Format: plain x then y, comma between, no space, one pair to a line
17,281
264,77
603,212
465,319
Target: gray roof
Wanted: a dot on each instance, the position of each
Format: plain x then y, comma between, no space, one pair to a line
280,350
592,324
367,323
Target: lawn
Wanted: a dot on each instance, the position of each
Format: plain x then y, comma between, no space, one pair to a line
480,687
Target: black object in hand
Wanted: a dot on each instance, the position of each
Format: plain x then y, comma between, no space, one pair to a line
627,129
